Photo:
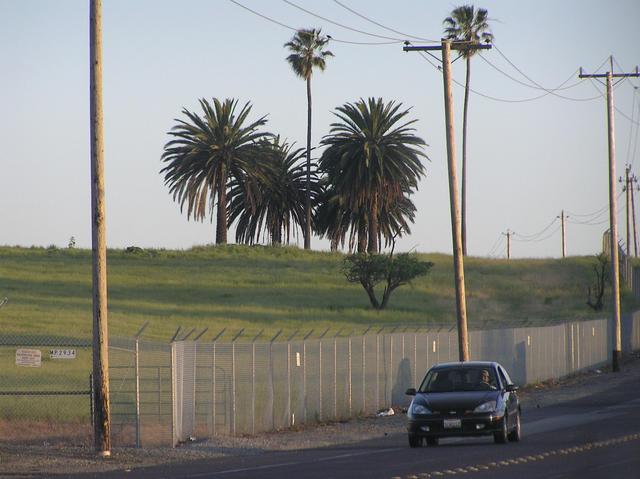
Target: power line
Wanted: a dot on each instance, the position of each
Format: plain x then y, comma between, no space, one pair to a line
395,39
633,110
635,141
277,22
489,97
495,245
535,235
626,78
406,35
537,85
538,240
620,112
549,91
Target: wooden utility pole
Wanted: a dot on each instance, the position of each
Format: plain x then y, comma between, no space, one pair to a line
613,222
564,238
633,215
456,230
102,419
508,234
626,189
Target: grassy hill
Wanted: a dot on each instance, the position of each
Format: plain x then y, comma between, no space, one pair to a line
49,292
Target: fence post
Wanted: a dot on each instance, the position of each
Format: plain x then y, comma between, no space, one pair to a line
137,360
377,372
253,387
320,379
415,360
213,389
304,380
233,388
174,441
364,373
390,371
91,406
289,418
304,375
159,382
335,377
350,379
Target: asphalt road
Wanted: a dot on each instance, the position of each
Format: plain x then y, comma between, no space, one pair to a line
594,437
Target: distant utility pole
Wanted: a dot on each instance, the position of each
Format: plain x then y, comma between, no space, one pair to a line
634,188
102,419
613,222
627,189
564,237
456,230
508,234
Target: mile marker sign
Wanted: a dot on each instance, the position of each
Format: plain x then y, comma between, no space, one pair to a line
62,353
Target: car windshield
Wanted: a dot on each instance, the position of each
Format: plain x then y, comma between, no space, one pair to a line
459,379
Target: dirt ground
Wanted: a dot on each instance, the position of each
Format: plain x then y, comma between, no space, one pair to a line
44,457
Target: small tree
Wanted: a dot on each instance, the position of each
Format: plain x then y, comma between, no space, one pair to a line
600,271
371,269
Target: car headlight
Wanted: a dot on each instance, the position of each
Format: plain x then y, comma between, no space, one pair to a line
489,406
419,409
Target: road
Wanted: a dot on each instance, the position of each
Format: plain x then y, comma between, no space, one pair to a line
597,436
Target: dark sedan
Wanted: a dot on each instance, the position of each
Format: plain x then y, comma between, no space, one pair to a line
473,398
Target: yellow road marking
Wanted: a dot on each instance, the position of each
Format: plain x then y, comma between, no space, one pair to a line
524,459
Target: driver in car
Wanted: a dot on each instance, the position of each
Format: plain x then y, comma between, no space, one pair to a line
485,380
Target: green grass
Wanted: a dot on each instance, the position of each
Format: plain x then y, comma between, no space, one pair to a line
256,288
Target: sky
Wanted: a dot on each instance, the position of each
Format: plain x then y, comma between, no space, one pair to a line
531,153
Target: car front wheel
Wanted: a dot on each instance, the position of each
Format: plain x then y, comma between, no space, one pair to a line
500,437
414,441
516,434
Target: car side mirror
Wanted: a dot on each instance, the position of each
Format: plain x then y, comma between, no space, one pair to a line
410,392
511,388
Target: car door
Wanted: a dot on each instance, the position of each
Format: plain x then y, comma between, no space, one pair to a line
510,398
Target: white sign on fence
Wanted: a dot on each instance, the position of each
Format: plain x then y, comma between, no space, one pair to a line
31,358
62,353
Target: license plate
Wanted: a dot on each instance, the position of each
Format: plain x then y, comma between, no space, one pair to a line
452,423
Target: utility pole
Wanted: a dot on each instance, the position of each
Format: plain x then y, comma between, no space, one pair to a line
613,222
102,419
456,229
564,238
626,189
508,234
633,215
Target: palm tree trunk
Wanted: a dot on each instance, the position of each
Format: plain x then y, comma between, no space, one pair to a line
362,236
464,160
373,225
307,231
221,223
276,235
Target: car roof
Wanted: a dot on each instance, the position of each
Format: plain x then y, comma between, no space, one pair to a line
485,364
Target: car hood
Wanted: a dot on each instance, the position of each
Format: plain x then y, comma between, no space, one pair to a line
453,401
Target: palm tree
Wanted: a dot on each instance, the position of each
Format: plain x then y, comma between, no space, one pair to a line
372,160
307,53
470,25
272,197
205,152
339,224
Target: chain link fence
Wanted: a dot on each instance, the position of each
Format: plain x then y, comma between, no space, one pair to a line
166,393
45,389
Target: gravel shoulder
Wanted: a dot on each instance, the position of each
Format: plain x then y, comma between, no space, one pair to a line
46,460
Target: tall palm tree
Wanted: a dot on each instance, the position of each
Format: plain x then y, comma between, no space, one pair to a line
470,25
205,152
273,197
307,53
373,161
